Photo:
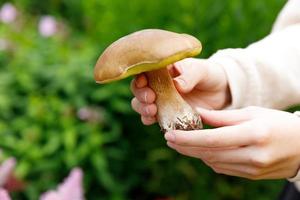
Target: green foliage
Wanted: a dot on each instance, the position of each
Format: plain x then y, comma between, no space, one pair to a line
45,82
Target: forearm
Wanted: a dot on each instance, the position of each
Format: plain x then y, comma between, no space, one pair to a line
267,73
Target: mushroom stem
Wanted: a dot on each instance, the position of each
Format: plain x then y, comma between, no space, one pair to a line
173,111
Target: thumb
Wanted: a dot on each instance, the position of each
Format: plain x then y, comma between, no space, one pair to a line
190,74
183,85
219,118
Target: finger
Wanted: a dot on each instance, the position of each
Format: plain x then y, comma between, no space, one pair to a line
231,172
174,71
247,170
195,152
191,74
148,120
239,160
229,136
227,170
218,118
238,155
275,174
236,162
144,94
147,110
252,172
141,81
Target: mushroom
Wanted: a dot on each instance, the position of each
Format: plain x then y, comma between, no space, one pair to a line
150,51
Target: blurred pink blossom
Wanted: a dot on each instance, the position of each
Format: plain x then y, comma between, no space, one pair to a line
4,194
85,113
8,13
70,189
92,114
48,26
6,170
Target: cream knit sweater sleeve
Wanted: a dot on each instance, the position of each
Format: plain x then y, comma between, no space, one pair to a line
267,73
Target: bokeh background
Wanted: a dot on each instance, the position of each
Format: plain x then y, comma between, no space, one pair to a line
53,116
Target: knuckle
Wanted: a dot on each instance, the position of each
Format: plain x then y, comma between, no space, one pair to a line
145,110
149,95
139,94
147,121
152,109
209,157
145,95
262,160
211,141
262,135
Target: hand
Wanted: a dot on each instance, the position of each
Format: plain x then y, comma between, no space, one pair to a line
202,83
254,143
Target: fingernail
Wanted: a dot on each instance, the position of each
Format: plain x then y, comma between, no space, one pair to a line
138,84
145,96
170,137
181,82
147,112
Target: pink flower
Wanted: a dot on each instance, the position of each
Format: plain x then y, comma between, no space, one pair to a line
70,189
84,113
6,170
47,26
91,114
8,13
4,194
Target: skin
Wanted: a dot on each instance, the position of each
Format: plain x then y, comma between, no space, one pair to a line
201,83
253,142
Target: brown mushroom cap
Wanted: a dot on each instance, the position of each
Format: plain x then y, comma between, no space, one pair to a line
143,51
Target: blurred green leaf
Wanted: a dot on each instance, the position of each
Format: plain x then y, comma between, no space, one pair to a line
45,82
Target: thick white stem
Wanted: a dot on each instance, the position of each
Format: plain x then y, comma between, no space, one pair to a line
173,111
